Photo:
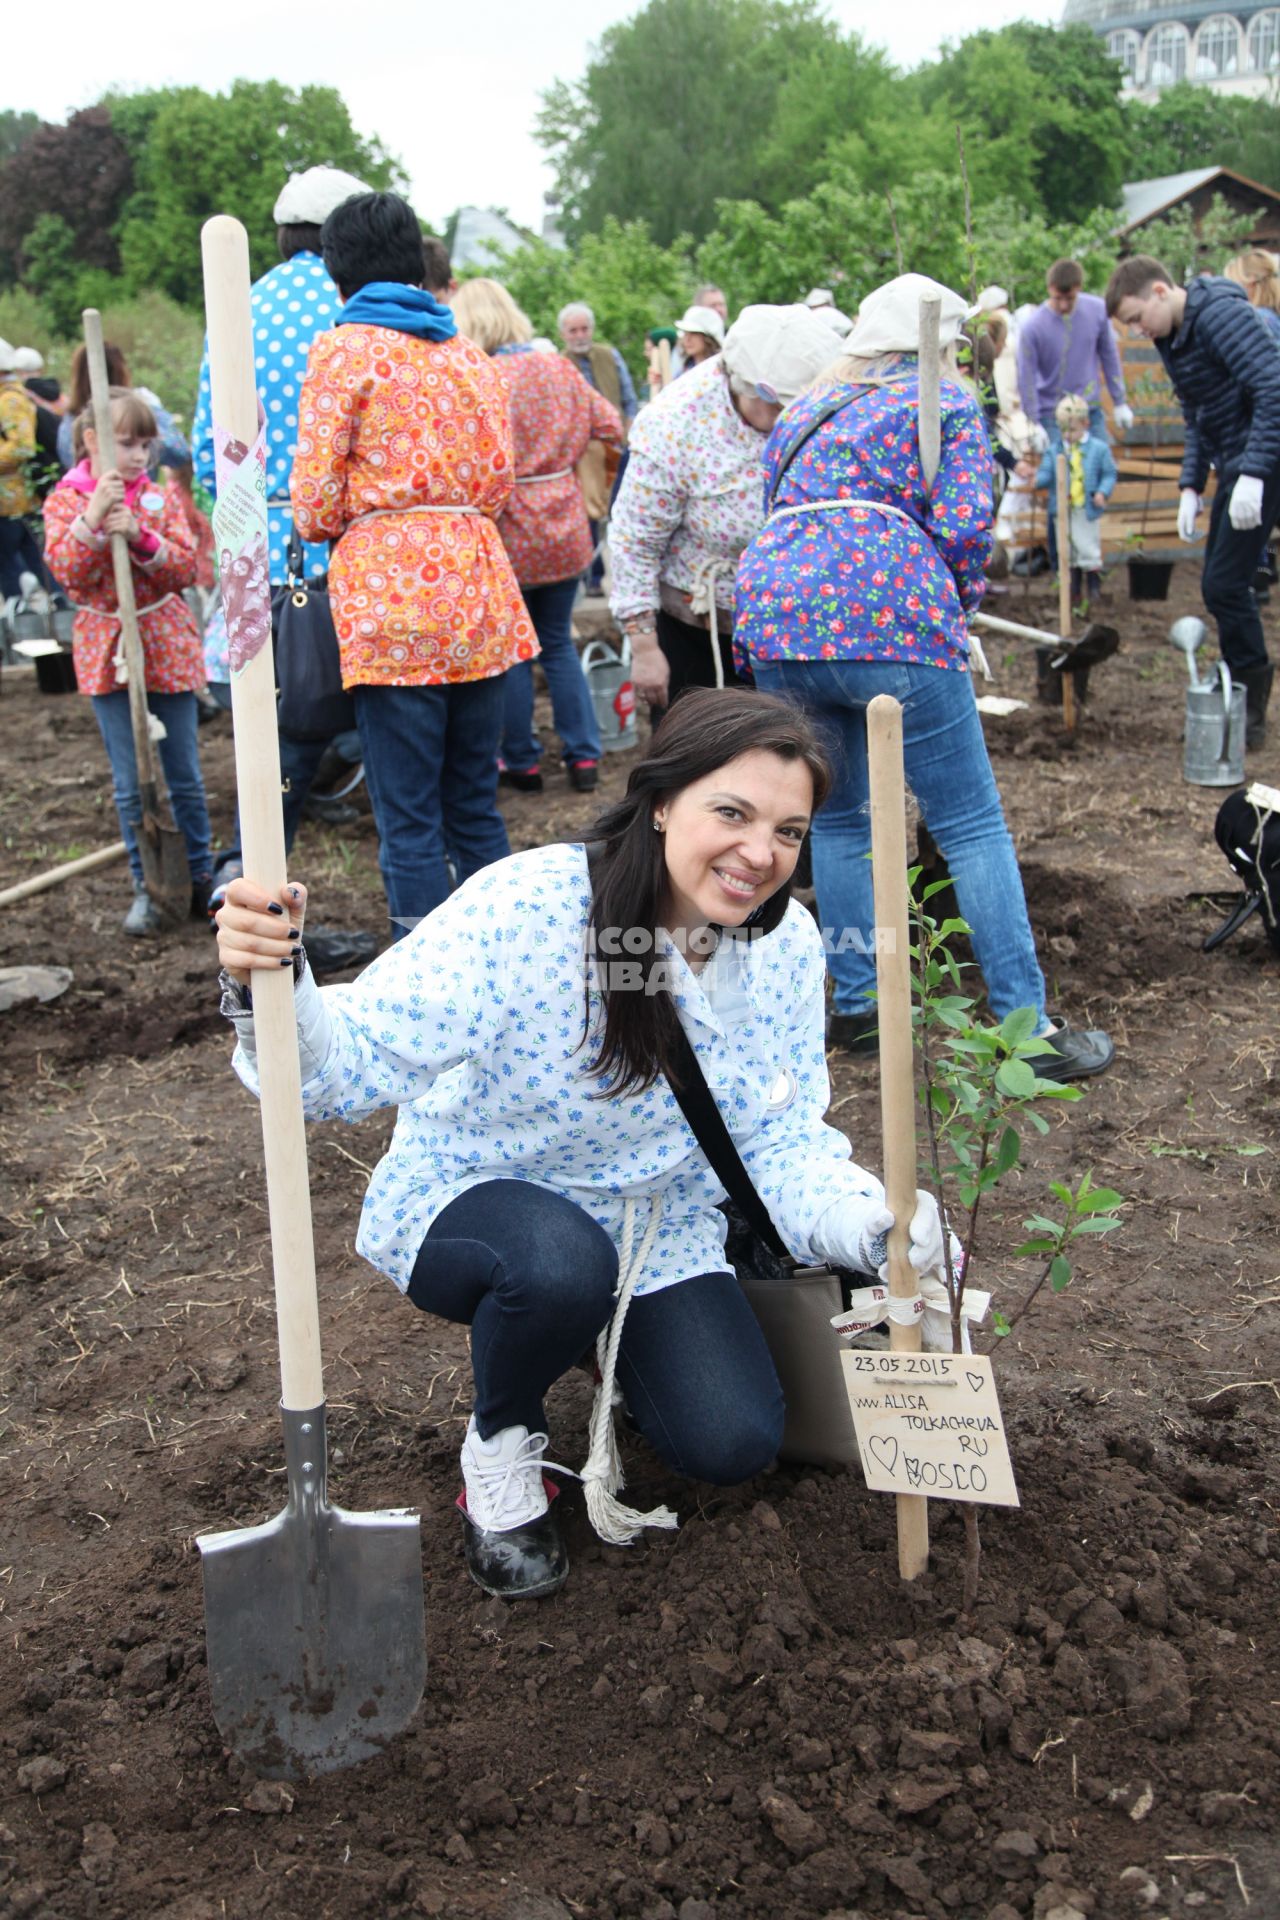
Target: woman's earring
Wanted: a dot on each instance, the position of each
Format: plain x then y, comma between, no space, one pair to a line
657,826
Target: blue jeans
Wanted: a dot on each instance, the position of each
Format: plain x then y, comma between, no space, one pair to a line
431,767
20,553
299,762
533,1276
180,760
948,770
550,609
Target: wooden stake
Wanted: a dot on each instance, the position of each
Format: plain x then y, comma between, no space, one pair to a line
1064,587
897,1088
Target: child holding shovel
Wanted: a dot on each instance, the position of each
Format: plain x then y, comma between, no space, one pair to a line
1091,479
86,507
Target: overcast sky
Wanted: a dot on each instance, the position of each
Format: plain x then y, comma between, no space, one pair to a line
452,90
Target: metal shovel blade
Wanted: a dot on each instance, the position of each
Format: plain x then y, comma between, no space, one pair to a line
166,871
1098,642
314,1624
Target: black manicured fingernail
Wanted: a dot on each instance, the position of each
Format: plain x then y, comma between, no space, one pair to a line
295,933
287,961
273,906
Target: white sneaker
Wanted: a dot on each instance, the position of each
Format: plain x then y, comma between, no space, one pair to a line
503,1478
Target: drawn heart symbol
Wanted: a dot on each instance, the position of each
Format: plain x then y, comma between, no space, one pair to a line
975,1381
885,1453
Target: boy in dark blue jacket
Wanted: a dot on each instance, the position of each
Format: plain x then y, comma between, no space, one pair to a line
1226,373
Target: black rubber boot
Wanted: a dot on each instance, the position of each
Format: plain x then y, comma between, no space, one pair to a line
1077,586
1048,683
1257,693
524,1563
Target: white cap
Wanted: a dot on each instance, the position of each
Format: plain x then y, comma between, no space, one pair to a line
8,358
702,320
307,199
778,350
889,319
27,360
992,299
820,297
832,317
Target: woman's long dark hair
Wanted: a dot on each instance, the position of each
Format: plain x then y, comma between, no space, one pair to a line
704,729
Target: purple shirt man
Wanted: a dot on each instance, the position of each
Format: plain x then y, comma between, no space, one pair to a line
1065,346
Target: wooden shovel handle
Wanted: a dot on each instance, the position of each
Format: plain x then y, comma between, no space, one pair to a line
122,565
897,1088
257,742
929,363
1064,584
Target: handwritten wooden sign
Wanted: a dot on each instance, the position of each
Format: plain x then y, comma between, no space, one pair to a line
930,1423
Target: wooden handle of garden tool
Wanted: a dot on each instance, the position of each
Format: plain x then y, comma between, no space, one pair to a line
1064,586
897,1089
253,709
130,637
930,367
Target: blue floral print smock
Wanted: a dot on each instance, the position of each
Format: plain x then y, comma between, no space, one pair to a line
859,582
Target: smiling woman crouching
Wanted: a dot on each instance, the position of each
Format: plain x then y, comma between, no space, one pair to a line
541,1184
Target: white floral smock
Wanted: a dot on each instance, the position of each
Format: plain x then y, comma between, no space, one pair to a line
473,1026
693,492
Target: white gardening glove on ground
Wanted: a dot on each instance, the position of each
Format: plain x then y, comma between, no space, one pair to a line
1122,416
1039,438
1188,508
1244,509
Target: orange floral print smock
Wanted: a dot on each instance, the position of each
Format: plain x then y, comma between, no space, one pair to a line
164,562
387,423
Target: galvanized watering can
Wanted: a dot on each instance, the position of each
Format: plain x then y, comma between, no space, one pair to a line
1213,740
608,675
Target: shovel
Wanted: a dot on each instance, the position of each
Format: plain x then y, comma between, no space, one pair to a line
314,1620
1098,641
162,848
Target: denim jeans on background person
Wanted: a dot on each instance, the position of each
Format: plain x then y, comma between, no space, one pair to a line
1230,561
431,767
299,762
20,553
950,775
533,1276
551,611
180,760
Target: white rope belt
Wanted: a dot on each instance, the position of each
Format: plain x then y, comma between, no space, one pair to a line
534,479
830,506
602,1476
383,513
703,600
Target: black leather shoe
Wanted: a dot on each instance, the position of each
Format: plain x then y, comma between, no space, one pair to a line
329,950
1078,1053
522,1564
854,1032
529,782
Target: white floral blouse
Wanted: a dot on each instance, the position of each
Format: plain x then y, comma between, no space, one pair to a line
473,1027
693,492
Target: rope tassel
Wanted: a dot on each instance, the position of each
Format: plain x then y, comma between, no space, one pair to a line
602,1476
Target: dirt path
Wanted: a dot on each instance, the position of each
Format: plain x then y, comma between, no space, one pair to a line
751,1716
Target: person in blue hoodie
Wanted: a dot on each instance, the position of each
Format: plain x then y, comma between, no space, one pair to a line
1091,477
1226,373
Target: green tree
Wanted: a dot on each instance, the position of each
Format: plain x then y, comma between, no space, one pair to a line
1041,114
79,173
16,129
630,283
1191,126
199,153
671,111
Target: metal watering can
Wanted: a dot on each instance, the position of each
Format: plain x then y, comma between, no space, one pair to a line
1213,739
608,676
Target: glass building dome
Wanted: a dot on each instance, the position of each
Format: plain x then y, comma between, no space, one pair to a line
1159,45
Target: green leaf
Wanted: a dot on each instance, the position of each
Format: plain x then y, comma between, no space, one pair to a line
1018,1026
1096,1223
1039,1223
1060,1273
1099,1200
934,887
1062,1192
1037,1120
1038,1245
1000,1326
1007,1152
1016,1080
949,927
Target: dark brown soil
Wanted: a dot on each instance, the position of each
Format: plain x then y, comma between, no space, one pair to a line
751,1716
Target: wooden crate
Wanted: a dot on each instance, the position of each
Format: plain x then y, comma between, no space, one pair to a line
1144,506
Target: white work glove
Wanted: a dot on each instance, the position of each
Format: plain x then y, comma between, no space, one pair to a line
1188,508
925,1233
1122,416
1244,509
1039,438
